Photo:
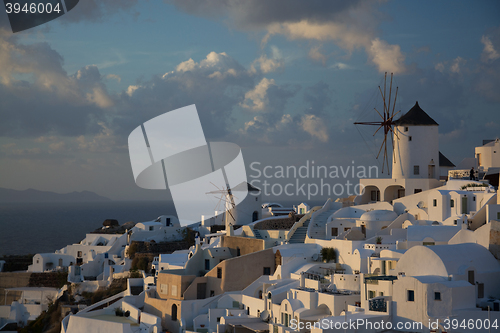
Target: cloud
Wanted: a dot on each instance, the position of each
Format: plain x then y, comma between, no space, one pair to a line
489,51
267,65
315,126
456,65
388,58
316,55
38,97
349,24
256,99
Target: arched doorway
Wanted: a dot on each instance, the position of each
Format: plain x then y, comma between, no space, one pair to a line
174,312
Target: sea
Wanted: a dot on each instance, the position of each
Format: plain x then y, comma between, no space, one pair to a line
30,228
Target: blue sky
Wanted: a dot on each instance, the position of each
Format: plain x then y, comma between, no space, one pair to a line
292,78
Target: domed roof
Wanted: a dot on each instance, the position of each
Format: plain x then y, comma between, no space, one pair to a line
379,215
416,117
348,212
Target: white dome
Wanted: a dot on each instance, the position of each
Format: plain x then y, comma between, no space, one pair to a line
348,212
379,215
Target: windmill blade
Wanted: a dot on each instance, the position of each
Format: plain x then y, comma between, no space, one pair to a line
394,105
382,146
378,113
389,103
377,130
394,115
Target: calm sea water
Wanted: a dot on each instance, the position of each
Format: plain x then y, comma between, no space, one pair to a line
29,228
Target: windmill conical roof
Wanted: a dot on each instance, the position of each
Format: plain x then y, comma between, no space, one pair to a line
416,116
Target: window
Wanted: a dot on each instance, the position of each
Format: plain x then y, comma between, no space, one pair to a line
60,262
480,290
267,270
164,289
79,254
452,203
168,221
410,296
417,190
381,294
371,294
174,290
238,252
409,138
434,202
406,128
151,228
471,278
375,195
498,216
260,294
416,170
218,319
212,293
219,272
455,222
335,231
437,296
346,229
207,264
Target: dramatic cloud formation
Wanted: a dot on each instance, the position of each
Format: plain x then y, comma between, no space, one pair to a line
351,25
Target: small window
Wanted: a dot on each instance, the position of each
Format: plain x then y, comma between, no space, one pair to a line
473,198
218,319
416,170
480,290
164,289
174,290
79,254
417,190
411,296
212,293
406,128
452,203
168,221
267,270
207,264
335,231
471,278
381,294
498,216
219,272
434,203
455,222
409,138
437,296
371,294
151,228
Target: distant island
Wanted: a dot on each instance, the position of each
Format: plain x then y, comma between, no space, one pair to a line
32,195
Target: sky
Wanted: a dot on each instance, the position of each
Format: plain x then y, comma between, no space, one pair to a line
285,80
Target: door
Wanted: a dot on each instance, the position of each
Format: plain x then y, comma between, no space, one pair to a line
464,205
431,171
201,290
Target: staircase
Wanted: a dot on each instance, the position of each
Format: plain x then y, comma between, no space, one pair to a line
318,224
299,236
257,234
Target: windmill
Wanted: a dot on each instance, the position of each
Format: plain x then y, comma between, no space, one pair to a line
386,122
225,196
